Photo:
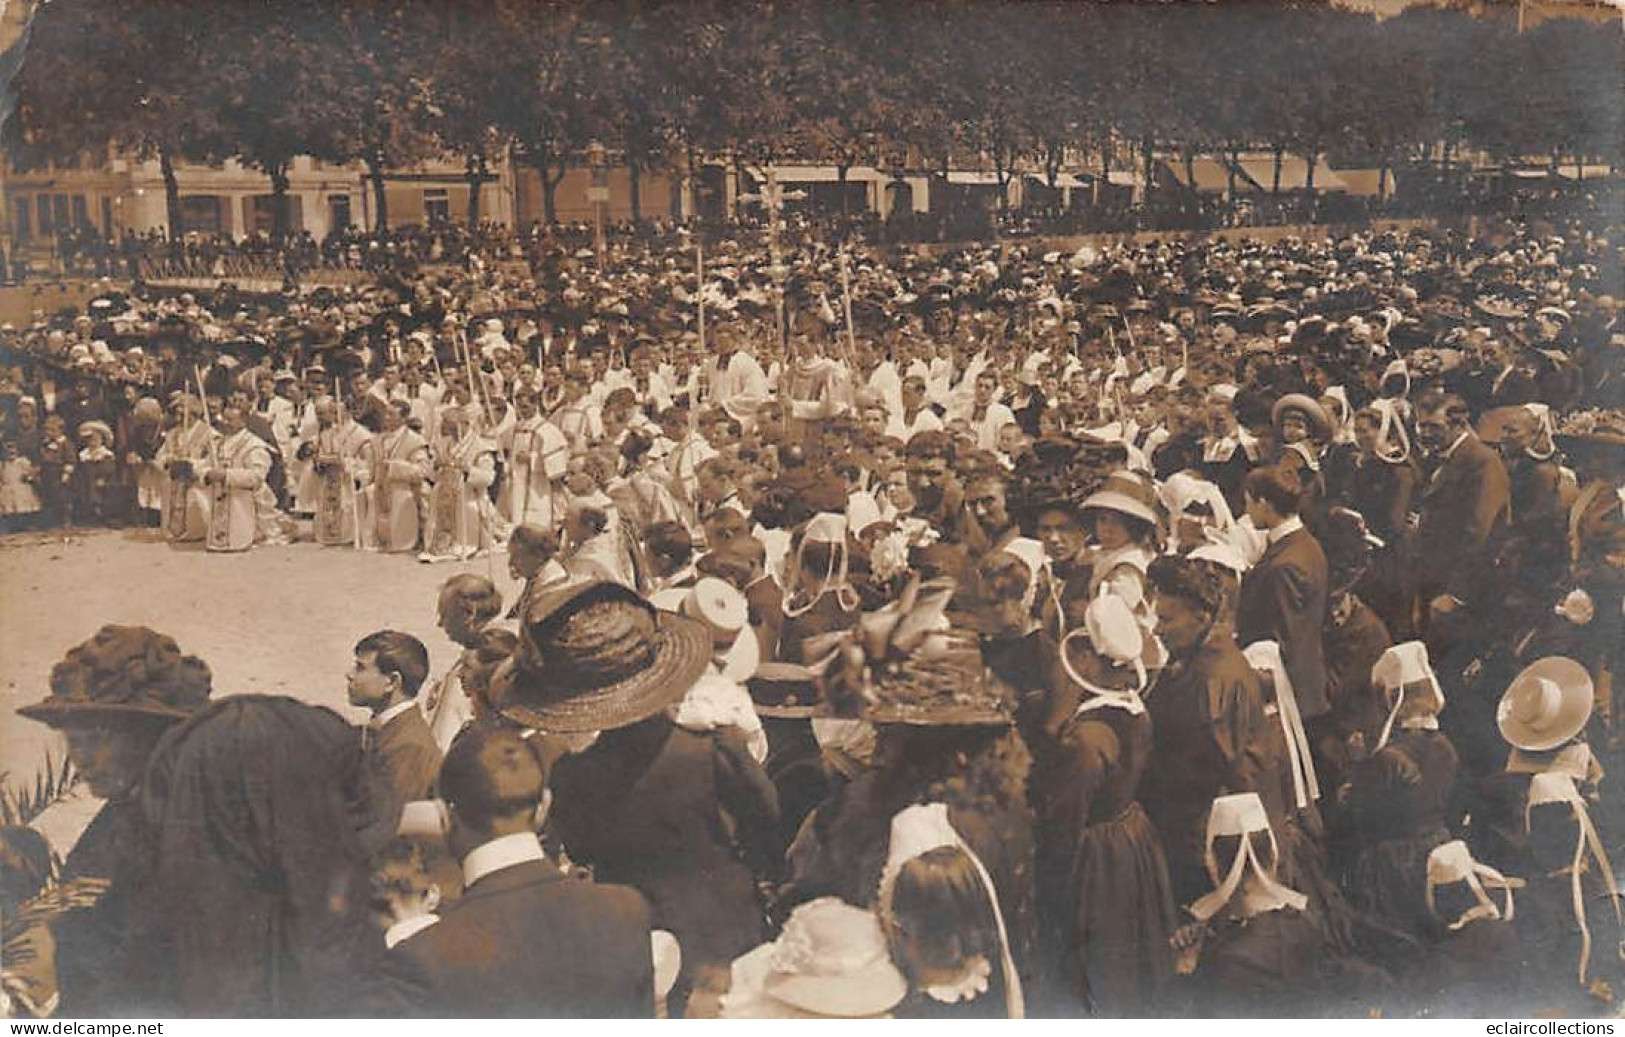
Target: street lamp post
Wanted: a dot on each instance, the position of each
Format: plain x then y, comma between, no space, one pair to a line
598,195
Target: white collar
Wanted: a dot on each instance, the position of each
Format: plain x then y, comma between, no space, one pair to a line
1428,722
407,928
380,719
1452,447
1284,530
502,852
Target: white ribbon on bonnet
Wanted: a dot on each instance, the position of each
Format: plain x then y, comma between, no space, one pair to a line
1453,862
1552,787
1265,656
916,831
1241,815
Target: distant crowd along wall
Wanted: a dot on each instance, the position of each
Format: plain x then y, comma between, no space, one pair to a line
23,304
1069,244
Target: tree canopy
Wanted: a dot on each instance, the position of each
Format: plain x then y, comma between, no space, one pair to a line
1005,85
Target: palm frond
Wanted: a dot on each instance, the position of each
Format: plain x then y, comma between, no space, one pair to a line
16,945
20,805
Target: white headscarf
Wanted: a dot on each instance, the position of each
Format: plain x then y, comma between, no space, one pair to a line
1400,665
830,528
1241,815
1452,862
1543,435
916,831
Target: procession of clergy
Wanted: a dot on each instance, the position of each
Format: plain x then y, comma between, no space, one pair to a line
1186,628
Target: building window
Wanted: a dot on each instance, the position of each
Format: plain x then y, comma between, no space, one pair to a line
60,211
338,212
201,213
263,214
25,225
42,205
81,211
436,205
107,216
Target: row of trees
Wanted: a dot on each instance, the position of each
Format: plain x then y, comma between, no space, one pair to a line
920,84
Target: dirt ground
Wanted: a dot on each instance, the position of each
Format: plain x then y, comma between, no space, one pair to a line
274,620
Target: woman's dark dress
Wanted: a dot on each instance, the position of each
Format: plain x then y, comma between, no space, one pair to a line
1208,714
1105,906
1399,805
1279,965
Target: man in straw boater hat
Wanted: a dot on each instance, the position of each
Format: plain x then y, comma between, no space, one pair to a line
113,697
640,804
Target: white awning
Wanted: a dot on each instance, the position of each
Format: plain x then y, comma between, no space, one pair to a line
981,179
826,174
1062,180
1123,178
1588,172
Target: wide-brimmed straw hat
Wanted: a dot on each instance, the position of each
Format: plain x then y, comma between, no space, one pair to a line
124,671
1546,705
1311,410
99,427
1126,495
1497,307
595,656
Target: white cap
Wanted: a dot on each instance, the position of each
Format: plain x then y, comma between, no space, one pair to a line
1241,815
1452,862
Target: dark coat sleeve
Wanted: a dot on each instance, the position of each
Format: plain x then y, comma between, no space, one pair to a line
1084,754
412,765
1482,498
1236,715
402,986
1288,605
1399,501
750,800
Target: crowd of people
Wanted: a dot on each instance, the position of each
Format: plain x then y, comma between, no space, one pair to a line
1180,628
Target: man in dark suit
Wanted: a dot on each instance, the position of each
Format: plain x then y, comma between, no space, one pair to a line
1283,597
390,668
524,940
1463,511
